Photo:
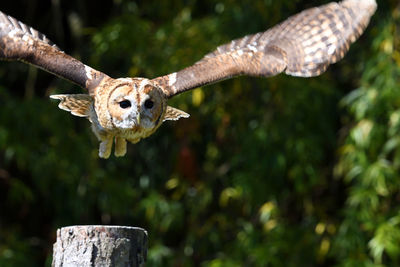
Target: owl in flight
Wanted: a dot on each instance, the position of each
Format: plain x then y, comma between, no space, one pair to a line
129,109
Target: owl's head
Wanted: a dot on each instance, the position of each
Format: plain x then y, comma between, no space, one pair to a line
133,104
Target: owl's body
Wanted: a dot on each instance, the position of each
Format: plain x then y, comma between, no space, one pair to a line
129,109
113,116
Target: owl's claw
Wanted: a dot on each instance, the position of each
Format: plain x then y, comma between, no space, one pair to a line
105,148
120,147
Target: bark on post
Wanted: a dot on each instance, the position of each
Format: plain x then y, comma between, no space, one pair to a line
99,245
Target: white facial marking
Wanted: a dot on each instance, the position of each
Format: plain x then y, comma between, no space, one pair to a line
143,83
129,117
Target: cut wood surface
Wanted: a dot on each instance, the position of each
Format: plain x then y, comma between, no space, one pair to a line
99,245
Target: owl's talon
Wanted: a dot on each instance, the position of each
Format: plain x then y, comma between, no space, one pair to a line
120,147
105,149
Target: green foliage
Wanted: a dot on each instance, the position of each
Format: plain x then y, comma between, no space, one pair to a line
369,156
266,172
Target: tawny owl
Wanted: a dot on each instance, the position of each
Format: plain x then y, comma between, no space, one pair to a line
129,109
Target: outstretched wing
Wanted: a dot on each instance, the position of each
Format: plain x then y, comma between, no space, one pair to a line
80,105
304,45
21,42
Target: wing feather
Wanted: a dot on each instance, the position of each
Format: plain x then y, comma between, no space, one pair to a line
80,105
11,26
19,41
303,45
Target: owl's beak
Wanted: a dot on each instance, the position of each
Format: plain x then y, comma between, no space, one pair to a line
138,119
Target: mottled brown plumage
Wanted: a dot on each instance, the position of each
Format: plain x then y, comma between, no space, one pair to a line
129,109
303,45
112,120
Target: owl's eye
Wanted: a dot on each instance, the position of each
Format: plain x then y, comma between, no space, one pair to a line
148,104
125,104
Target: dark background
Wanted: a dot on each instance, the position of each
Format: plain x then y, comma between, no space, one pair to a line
282,171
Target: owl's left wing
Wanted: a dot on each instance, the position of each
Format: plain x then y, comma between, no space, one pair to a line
21,42
303,45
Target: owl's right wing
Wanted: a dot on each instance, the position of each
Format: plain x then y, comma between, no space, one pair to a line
303,45
21,42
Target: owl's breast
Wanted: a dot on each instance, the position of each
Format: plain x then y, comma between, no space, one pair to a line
134,135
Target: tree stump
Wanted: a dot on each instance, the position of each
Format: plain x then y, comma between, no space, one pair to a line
99,245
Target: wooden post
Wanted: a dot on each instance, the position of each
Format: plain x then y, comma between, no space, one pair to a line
99,245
